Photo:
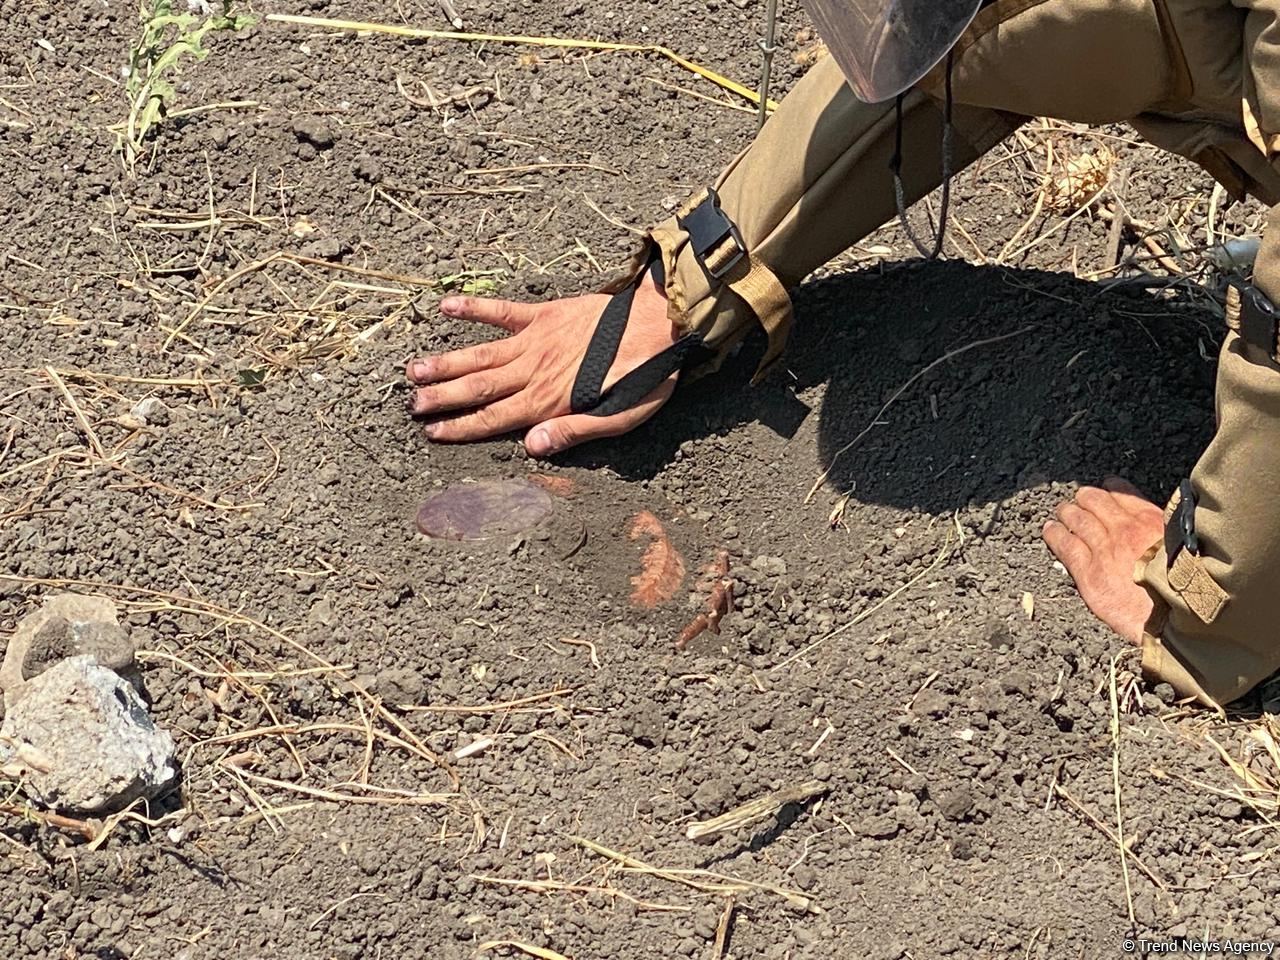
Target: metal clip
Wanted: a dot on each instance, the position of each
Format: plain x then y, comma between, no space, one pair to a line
1180,531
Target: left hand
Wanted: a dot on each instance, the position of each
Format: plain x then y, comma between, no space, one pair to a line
1099,537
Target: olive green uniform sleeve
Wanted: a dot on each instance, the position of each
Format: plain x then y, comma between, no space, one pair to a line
1217,647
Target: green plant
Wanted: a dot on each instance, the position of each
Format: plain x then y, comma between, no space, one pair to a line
163,41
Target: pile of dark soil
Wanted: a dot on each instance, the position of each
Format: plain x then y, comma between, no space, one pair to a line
401,748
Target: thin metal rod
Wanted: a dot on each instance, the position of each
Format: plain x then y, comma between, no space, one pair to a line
767,48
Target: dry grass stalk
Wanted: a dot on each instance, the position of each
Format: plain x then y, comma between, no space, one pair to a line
347,310
703,881
555,886
23,852
145,481
91,376
334,908
227,673
88,829
942,556
722,929
1069,184
1060,791
1115,779
94,443
542,953
754,811
369,707
1257,768
1082,179
376,795
676,88
510,706
358,26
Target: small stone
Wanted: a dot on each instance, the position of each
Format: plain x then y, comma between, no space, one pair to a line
368,169
714,796
1017,682
314,131
81,739
1231,810
399,685
770,566
878,828
106,642
151,411
67,624
931,703
326,248
705,923
645,725
805,876
955,804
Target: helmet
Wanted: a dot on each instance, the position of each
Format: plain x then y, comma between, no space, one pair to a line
884,46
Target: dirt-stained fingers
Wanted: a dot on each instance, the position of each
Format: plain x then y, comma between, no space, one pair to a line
498,418
508,314
474,390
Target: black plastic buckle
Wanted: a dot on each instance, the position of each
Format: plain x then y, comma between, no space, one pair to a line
1180,531
708,227
1259,320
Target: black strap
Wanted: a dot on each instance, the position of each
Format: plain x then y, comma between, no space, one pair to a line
1259,320
590,397
588,385
688,351
895,165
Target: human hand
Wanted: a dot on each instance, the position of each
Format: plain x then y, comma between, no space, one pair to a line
525,380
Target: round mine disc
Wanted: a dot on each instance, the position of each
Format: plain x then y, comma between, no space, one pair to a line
480,511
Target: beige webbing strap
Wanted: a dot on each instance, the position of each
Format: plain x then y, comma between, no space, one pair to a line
751,280
1190,580
767,297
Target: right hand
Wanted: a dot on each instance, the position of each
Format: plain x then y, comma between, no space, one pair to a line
524,380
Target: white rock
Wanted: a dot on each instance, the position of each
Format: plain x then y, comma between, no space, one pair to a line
80,739
83,616
151,410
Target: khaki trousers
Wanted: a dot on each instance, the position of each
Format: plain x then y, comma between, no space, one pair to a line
817,180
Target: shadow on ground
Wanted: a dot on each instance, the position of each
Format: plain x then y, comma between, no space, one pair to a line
1098,381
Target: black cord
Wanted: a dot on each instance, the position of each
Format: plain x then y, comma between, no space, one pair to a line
895,164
